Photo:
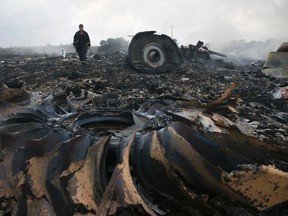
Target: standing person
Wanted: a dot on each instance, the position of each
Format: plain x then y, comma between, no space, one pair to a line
81,42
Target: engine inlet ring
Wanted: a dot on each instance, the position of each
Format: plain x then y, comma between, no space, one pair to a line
153,55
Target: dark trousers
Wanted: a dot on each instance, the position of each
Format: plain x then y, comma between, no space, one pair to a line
82,53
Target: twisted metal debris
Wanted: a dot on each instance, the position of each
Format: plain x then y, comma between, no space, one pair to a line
55,161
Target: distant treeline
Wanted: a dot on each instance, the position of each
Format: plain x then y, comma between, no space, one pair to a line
109,45
112,45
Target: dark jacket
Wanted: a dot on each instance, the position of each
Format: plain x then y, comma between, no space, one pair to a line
81,40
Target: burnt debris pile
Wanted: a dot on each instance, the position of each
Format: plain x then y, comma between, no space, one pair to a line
208,138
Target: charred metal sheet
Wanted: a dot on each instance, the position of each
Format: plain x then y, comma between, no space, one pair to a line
88,181
39,207
104,121
170,161
198,52
151,53
121,190
276,63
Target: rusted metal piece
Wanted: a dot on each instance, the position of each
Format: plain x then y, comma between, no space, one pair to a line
276,63
224,96
68,163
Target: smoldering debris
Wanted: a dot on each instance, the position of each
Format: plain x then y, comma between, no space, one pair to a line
208,138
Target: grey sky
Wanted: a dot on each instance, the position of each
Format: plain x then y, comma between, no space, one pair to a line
42,22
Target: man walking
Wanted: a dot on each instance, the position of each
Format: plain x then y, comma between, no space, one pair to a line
81,42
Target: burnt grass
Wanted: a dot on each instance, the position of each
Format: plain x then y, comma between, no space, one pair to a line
112,77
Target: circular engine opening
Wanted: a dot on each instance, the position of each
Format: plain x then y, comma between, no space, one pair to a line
153,55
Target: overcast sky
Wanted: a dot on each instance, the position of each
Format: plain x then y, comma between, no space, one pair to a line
42,22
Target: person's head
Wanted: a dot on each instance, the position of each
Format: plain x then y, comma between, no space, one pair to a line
81,27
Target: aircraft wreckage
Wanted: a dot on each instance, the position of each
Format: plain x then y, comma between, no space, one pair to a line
152,53
57,160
